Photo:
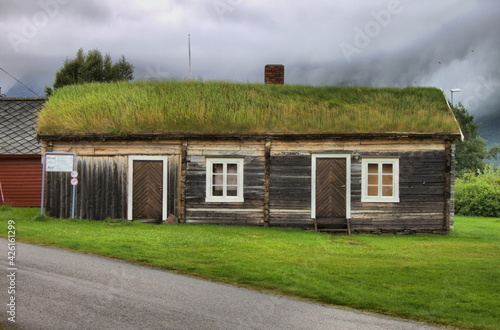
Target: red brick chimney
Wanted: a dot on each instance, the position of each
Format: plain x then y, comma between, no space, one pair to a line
274,74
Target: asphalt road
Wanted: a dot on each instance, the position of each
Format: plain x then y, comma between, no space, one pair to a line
59,289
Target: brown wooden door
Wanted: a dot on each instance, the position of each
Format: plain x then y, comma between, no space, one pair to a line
147,190
331,188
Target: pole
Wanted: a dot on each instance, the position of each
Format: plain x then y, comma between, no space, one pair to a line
189,50
1,191
73,192
43,185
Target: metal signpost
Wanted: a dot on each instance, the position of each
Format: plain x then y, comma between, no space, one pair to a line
60,162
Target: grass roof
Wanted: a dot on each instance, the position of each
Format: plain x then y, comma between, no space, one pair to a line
194,107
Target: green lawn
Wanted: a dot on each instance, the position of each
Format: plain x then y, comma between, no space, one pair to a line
450,280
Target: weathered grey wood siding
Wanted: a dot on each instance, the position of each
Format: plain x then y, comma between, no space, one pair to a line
251,211
290,190
103,170
101,191
425,173
277,181
422,194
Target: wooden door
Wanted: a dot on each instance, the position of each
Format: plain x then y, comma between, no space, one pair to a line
147,190
331,188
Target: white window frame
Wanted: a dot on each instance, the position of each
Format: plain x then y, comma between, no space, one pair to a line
395,182
209,180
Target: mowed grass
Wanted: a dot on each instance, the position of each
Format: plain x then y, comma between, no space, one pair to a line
449,280
216,107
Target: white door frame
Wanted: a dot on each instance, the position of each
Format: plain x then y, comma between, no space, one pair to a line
130,185
347,183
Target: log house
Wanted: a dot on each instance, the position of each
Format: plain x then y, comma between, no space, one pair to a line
329,180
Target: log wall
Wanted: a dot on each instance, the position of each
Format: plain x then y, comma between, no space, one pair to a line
277,181
426,184
101,191
102,174
251,211
422,194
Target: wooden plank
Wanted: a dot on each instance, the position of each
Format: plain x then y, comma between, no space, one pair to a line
113,148
101,191
266,183
330,188
147,190
448,187
182,184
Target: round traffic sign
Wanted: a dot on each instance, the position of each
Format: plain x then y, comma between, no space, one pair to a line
74,182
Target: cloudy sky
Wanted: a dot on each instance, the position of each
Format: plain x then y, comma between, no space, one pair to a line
442,43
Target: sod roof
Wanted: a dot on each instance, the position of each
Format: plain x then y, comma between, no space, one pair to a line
195,107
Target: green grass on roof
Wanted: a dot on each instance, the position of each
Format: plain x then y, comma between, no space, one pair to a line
223,107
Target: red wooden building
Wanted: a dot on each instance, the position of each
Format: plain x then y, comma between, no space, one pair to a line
20,159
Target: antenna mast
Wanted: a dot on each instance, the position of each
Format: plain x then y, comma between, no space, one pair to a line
189,50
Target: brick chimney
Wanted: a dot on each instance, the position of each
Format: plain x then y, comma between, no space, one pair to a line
274,74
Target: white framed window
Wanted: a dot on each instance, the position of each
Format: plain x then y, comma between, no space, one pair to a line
224,180
380,180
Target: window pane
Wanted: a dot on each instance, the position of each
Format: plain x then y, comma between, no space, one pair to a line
372,190
232,192
372,168
217,191
387,168
387,179
387,191
372,179
217,180
232,180
232,168
217,168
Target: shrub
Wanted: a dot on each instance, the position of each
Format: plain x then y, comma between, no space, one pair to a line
478,195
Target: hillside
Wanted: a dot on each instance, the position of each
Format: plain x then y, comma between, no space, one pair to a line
489,129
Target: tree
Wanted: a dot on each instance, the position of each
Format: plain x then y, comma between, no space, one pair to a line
472,151
91,67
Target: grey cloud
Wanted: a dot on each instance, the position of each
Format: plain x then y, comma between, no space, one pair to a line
447,44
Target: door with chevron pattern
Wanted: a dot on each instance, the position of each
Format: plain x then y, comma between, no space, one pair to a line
147,190
331,188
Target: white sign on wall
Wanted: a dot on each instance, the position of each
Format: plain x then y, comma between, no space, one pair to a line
59,163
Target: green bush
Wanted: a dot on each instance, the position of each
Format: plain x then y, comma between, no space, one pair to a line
478,195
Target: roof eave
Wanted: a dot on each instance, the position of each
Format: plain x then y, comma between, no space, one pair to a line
225,136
